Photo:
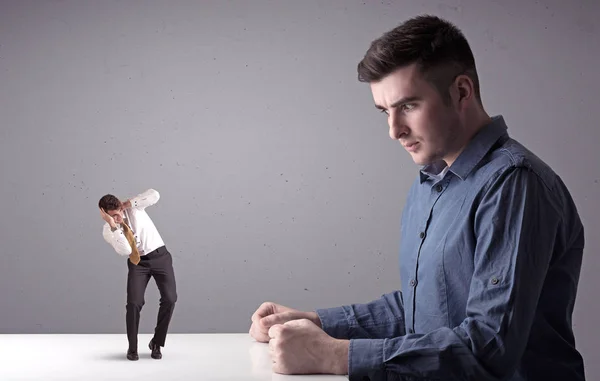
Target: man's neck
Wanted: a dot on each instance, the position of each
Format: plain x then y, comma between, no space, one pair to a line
478,120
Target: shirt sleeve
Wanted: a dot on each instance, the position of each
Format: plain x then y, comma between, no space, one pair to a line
380,318
515,225
145,199
117,240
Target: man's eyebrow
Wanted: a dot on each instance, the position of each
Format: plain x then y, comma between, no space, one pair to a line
400,102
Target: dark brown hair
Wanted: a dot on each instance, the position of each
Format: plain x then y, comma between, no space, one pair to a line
109,202
438,47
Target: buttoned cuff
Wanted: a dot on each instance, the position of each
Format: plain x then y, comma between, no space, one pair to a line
365,360
334,322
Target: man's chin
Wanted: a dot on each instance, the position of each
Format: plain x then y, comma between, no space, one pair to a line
422,161
418,160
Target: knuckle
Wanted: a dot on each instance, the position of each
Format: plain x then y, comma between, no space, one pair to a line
288,315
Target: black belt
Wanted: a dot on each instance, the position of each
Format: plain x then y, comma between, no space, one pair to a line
155,253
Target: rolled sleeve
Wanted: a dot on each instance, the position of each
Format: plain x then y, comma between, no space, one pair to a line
365,359
334,322
381,318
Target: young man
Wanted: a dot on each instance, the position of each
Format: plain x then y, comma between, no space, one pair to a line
491,242
131,232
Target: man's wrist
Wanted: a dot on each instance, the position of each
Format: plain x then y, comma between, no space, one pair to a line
339,355
314,317
113,227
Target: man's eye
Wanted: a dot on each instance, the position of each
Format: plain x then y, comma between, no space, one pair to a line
407,107
385,112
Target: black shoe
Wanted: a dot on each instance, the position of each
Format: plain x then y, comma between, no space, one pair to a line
132,355
155,348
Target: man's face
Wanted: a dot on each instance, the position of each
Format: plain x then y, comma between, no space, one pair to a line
117,215
418,118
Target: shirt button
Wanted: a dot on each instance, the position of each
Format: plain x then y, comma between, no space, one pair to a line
422,234
495,281
439,188
413,282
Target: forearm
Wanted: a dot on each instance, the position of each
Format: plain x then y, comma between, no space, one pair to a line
443,354
115,237
381,318
145,199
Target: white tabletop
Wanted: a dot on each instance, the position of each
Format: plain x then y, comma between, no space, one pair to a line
222,357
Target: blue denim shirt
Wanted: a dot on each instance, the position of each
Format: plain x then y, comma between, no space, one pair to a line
490,256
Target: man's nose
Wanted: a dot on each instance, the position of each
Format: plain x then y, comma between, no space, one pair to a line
397,130
397,127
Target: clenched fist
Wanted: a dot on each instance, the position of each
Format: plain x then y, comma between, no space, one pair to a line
269,314
301,347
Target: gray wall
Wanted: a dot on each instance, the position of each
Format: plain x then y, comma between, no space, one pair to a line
277,176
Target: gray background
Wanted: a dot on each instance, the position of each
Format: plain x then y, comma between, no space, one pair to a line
277,176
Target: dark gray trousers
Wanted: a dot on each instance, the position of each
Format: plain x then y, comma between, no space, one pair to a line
157,264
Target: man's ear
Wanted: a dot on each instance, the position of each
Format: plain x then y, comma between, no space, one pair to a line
465,88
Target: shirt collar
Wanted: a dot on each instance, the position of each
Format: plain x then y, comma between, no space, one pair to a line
473,153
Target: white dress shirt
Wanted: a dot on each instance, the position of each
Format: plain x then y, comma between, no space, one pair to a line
145,233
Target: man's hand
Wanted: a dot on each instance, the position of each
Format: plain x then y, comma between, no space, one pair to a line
301,347
108,218
269,314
